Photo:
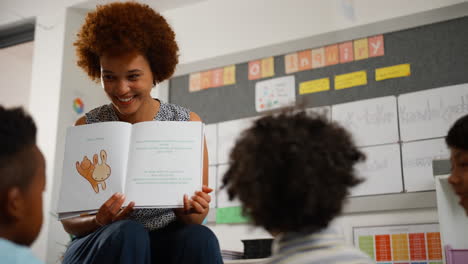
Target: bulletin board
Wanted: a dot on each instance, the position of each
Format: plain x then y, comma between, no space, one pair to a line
433,45
437,54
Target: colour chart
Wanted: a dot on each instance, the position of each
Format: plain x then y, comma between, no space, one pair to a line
400,244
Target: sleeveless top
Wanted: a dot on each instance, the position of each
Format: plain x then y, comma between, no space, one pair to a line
154,218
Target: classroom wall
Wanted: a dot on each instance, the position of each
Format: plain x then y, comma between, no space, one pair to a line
15,73
216,28
204,30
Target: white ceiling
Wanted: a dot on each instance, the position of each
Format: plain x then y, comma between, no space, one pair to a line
14,11
159,5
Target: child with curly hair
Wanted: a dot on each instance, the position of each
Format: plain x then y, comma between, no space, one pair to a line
292,173
129,48
22,183
457,141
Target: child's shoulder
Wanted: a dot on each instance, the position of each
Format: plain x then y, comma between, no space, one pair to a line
14,253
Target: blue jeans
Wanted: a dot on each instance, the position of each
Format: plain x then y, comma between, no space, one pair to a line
127,241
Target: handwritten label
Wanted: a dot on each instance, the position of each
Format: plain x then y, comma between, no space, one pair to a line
430,113
371,122
391,72
349,80
417,163
94,139
381,171
314,86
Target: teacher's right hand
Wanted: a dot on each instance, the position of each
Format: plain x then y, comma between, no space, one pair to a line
112,210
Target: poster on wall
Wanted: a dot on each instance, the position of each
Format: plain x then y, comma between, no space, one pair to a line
398,244
275,93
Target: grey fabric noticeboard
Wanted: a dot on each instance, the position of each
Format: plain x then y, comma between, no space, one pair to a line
437,53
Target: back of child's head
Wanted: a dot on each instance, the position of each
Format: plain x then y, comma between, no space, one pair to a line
21,175
292,171
457,136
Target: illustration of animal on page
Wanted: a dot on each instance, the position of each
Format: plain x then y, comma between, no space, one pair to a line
95,173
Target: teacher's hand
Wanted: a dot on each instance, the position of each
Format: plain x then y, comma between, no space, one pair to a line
112,211
199,203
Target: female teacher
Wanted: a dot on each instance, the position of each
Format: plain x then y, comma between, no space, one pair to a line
130,48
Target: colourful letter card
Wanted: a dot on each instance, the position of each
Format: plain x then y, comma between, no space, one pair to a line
217,77
376,46
291,63
332,55
268,67
361,49
229,75
346,52
255,70
195,82
305,60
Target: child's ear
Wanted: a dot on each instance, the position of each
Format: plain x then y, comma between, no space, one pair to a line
15,204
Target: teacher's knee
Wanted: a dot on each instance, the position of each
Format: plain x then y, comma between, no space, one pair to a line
128,231
200,235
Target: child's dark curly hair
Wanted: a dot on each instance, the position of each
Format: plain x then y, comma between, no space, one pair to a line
457,136
123,27
17,136
292,171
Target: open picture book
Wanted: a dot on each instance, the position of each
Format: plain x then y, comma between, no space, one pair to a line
153,163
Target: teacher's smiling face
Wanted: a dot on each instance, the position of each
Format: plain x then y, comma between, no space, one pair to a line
127,80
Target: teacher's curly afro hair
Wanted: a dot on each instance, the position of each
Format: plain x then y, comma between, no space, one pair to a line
119,27
292,171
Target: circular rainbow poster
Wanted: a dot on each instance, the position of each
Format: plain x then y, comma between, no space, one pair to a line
78,105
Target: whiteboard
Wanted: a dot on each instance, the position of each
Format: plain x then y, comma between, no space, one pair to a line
211,137
431,113
228,132
324,111
371,122
381,171
417,163
212,183
222,196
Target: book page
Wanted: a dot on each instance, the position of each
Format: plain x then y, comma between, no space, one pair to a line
94,165
165,163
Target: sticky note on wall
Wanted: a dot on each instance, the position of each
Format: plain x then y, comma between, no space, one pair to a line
314,86
349,80
391,72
